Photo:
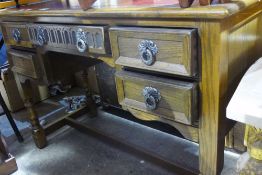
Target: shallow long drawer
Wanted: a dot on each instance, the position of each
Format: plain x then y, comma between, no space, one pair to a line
75,38
167,98
16,34
172,51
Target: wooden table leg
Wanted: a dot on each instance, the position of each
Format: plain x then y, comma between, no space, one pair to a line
211,156
37,130
214,97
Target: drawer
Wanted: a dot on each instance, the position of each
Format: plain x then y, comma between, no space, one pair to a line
24,63
16,34
170,99
71,38
172,51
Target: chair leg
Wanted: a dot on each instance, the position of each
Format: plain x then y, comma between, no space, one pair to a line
11,120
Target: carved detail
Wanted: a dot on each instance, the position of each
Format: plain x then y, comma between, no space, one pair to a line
41,36
68,37
81,40
147,50
152,97
16,35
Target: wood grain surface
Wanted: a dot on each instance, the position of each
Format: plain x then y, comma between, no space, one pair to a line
25,63
228,41
177,49
178,99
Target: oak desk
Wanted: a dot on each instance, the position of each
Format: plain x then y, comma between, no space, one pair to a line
178,66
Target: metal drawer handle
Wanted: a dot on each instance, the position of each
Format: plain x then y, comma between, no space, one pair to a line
147,50
16,35
151,97
41,38
81,40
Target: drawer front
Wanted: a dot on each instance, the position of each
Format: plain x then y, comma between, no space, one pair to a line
76,39
16,34
172,51
24,63
170,99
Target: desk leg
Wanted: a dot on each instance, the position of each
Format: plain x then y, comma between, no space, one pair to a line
214,89
37,130
211,154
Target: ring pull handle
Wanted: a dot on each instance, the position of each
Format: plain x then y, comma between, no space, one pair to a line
81,40
151,97
147,50
16,35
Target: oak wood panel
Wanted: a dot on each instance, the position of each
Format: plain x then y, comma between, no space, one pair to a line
177,49
189,132
242,39
178,99
213,86
220,46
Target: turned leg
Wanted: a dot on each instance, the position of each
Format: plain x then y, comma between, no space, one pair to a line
37,130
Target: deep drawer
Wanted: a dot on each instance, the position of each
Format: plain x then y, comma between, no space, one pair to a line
25,63
172,51
170,99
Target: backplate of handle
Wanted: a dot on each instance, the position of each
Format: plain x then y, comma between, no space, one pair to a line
151,97
81,40
16,35
147,50
41,38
